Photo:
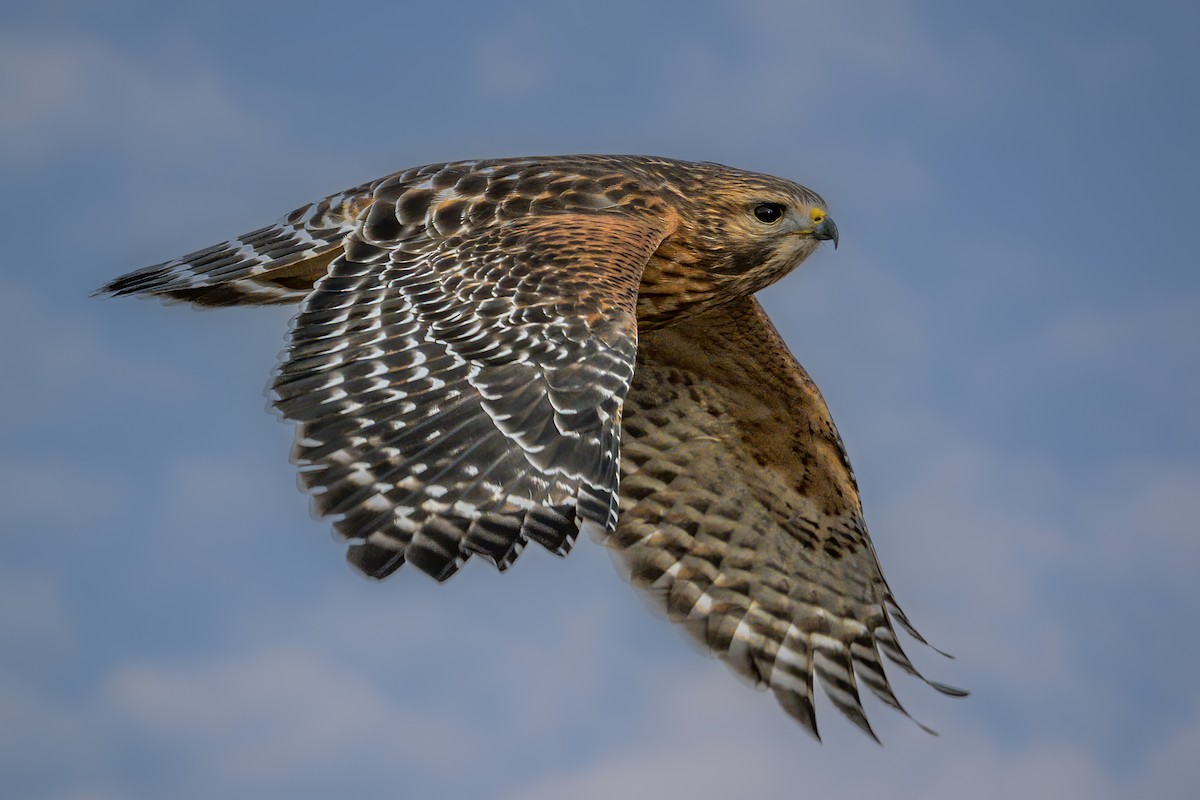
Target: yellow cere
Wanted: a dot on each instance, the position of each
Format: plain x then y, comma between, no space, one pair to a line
817,215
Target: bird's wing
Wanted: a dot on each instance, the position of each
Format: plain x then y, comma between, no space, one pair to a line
741,519
463,395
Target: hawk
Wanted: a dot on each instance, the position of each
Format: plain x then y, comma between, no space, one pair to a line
494,352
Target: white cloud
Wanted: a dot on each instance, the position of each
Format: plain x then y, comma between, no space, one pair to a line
255,724
89,792
1172,769
690,746
287,719
278,718
61,91
380,686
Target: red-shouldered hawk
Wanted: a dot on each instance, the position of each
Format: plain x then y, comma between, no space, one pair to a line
485,350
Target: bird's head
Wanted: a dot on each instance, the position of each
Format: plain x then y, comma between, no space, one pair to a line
745,230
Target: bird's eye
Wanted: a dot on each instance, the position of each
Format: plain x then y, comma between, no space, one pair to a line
770,213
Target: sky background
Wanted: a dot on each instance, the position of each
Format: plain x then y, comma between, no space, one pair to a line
1008,337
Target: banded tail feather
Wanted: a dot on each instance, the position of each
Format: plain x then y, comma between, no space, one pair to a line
277,264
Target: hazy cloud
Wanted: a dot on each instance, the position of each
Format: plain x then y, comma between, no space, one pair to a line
66,91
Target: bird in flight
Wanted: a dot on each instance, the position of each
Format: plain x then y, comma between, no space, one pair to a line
494,352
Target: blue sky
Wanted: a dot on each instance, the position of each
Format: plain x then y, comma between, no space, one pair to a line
1008,337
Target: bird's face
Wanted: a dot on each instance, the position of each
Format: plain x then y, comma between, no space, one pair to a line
763,228
737,232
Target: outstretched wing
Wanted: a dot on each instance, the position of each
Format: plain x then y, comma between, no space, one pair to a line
462,394
741,518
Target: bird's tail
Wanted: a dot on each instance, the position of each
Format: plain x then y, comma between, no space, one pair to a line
272,265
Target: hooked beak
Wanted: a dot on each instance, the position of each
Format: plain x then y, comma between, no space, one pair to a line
825,231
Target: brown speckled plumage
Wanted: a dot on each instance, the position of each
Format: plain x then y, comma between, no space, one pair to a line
486,350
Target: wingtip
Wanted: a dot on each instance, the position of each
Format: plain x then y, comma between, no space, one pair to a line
948,690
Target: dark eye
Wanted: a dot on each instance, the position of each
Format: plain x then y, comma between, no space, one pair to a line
769,213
